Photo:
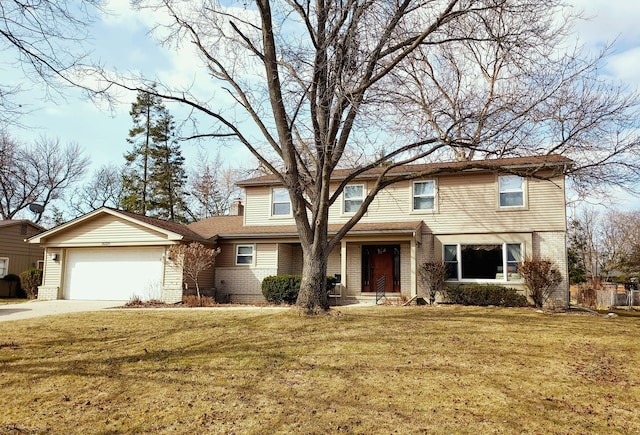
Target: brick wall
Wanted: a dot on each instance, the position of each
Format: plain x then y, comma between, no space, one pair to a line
552,246
241,284
48,293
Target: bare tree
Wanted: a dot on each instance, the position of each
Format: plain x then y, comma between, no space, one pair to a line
212,187
619,239
193,259
104,189
39,174
46,39
317,80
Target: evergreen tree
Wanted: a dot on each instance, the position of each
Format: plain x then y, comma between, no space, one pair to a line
144,111
167,174
153,182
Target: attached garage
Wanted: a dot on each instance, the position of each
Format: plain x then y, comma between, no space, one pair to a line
113,273
113,255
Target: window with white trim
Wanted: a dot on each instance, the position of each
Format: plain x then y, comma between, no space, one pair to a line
280,202
424,195
4,266
353,197
244,255
511,191
483,261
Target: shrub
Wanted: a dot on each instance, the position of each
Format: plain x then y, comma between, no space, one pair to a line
15,290
485,294
586,295
279,289
194,301
433,275
30,279
541,278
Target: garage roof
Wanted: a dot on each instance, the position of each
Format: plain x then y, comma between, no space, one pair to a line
173,230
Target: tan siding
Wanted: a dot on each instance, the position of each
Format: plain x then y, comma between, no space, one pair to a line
296,262
354,269
266,255
53,269
172,275
333,266
21,255
106,229
258,208
226,257
464,203
285,259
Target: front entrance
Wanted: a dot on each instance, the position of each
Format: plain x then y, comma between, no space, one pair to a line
381,268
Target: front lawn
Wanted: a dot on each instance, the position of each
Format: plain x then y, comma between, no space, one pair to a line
362,370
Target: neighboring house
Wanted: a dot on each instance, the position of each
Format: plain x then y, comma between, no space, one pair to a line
16,255
114,255
479,222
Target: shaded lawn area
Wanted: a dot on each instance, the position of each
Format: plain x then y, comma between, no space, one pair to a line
362,370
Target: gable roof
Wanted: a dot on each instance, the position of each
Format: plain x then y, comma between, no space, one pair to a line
530,164
10,222
173,230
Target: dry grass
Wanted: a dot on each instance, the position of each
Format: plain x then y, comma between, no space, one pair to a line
362,370
5,301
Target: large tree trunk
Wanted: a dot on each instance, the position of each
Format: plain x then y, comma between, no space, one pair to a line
313,287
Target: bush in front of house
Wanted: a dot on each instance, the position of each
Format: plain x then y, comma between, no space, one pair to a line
485,294
30,280
278,289
541,277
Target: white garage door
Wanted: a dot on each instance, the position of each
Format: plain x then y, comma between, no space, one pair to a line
113,274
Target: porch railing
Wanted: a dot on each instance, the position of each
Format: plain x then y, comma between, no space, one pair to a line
380,282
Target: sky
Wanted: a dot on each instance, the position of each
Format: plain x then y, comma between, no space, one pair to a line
120,38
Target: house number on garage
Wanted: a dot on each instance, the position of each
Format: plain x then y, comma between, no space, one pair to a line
106,243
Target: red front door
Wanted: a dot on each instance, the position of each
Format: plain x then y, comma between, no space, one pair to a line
381,268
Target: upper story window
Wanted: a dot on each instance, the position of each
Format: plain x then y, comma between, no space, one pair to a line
4,266
353,197
280,202
424,195
511,191
244,255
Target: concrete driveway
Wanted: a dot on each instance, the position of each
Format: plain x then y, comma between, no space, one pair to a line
28,310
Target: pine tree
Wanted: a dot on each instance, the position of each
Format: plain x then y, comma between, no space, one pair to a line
167,174
136,176
154,180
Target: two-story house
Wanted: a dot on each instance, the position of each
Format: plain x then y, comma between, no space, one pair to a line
481,222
